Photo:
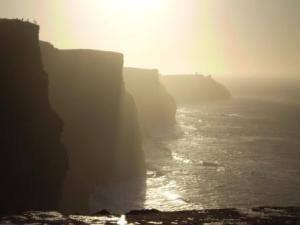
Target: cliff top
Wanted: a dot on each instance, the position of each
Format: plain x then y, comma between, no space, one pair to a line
82,52
17,24
141,69
19,43
92,53
184,76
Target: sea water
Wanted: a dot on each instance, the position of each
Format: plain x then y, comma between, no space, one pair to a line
239,153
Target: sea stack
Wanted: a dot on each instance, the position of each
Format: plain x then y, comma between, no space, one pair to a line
156,107
33,159
101,132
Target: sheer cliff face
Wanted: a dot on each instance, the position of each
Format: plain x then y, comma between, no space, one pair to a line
101,133
33,159
156,107
194,89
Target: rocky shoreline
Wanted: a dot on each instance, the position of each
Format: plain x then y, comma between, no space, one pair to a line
259,215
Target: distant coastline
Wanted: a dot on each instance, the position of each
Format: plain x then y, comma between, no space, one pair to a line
195,89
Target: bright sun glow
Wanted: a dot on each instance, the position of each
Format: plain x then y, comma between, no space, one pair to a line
122,6
135,5
151,28
130,21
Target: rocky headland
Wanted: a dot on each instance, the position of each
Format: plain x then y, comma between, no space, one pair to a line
195,89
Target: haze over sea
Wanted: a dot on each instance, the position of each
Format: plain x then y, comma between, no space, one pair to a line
240,153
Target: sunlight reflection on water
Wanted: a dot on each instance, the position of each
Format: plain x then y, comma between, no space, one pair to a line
179,158
226,156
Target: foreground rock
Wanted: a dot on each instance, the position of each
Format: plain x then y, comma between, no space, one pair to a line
155,105
256,216
101,132
194,89
33,160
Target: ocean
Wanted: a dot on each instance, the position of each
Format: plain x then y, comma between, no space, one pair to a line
239,153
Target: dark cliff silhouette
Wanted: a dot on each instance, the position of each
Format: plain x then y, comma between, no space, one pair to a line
194,89
156,106
101,132
33,160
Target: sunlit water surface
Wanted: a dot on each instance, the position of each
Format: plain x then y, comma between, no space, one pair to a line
241,153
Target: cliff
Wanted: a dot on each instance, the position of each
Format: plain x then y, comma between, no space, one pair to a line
101,132
194,89
156,107
33,160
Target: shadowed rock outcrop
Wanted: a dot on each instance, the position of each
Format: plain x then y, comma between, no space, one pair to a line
254,216
101,133
194,89
33,160
156,107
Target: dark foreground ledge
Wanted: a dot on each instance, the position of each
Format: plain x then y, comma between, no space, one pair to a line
260,215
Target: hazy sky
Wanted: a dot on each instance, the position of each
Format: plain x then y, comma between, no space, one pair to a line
175,36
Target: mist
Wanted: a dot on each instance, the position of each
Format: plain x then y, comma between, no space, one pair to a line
232,37
285,87
149,112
